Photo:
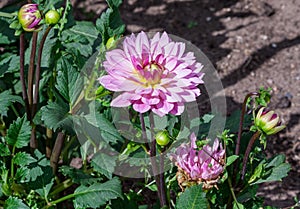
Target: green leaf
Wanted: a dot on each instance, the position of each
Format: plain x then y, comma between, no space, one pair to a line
276,161
4,39
231,159
80,37
277,174
274,170
56,115
4,151
69,82
207,118
114,3
98,194
23,159
110,23
104,164
7,99
108,132
78,176
44,191
124,204
14,203
192,198
237,205
19,132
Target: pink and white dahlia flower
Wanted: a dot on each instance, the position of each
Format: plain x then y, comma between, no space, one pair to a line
152,74
199,166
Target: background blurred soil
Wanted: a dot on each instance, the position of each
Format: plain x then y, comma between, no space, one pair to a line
251,43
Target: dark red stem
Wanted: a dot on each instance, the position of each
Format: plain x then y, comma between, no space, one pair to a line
38,72
240,131
57,151
31,69
22,76
247,153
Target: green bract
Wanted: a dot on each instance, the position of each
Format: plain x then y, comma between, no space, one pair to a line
52,17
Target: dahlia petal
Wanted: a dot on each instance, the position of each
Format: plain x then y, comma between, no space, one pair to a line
141,107
120,101
164,40
171,63
178,109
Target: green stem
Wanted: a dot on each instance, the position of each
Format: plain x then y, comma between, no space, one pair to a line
232,192
60,200
15,110
8,15
61,187
12,170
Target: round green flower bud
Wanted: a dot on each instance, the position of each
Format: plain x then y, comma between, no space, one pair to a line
162,138
111,43
52,17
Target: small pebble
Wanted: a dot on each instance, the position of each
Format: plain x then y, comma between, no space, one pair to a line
274,45
263,37
208,19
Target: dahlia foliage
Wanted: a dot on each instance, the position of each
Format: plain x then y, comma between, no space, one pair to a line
152,74
199,166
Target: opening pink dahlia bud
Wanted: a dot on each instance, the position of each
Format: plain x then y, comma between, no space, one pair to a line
268,122
29,17
154,74
199,166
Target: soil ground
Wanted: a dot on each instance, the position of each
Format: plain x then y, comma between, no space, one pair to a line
251,43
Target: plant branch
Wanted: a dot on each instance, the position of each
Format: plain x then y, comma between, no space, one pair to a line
144,135
247,153
31,69
50,204
38,72
152,152
161,186
56,151
232,191
237,148
22,76
61,187
8,15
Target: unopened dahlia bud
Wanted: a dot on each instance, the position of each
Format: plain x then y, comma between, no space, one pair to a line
268,122
111,43
52,17
162,138
29,17
199,166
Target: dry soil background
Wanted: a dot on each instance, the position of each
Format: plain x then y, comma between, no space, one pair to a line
251,43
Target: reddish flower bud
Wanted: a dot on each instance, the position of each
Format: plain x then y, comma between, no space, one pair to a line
268,122
29,17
